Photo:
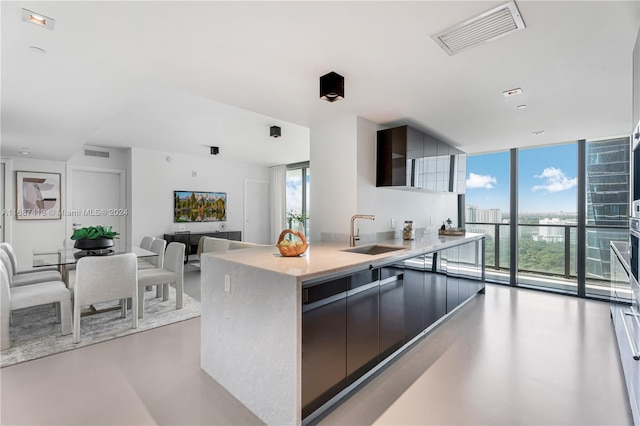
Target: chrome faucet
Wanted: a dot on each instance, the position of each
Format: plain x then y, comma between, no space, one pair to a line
353,238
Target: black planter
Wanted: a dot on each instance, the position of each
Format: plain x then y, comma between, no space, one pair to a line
97,244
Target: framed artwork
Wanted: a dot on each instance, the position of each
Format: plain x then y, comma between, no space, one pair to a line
38,196
194,206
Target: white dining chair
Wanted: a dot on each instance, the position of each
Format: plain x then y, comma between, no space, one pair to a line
145,243
26,278
8,248
158,246
25,296
102,279
171,273
215,245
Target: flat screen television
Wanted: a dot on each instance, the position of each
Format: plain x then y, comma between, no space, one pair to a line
197,206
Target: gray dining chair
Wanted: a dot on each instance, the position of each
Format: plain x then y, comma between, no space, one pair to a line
103,279
44,293
31,277
171,273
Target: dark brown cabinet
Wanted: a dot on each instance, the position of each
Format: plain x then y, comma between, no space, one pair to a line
350,324
409,158
435,291
324,343
363,315
391,330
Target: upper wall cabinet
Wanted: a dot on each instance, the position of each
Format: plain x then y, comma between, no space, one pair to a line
410,159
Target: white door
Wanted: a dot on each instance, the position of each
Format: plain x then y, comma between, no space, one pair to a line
96,197
256,212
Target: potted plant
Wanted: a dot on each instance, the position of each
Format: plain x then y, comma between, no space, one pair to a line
295,216
93,237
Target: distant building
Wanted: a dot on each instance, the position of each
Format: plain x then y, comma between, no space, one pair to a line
552,234
607,200
474,214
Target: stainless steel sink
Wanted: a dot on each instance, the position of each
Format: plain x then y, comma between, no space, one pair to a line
373,249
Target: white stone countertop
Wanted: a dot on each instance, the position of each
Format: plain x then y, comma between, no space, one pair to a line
324,259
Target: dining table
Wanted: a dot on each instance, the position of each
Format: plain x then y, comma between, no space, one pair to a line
65,258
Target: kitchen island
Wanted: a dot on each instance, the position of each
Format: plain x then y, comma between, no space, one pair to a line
288,336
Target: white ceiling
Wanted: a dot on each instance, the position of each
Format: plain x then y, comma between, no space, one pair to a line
182,76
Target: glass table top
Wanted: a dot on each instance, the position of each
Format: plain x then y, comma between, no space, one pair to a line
68,255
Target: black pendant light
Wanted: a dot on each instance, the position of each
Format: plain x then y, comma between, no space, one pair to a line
275,132
332,87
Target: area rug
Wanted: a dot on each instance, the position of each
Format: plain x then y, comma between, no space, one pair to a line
35,334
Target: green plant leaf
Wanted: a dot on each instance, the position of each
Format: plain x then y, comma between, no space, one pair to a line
93,233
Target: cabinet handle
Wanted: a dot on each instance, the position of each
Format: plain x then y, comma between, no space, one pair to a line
634,348
390,280
362,288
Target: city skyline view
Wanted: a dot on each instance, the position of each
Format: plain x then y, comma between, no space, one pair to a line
547,179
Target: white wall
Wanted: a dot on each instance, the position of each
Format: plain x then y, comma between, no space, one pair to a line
343,183
153,180
333,177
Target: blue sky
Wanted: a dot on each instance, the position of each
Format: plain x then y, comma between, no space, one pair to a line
547,179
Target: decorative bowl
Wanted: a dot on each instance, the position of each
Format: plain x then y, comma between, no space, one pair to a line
96,244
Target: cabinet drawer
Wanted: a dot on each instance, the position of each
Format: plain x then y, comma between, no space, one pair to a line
362,278
321,291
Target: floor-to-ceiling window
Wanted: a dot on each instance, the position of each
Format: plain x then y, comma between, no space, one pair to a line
487,209
547,216
557,246
297,195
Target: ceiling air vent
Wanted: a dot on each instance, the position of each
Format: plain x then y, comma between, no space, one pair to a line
486,27
96,153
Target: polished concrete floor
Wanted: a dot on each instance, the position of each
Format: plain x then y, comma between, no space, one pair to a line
508,357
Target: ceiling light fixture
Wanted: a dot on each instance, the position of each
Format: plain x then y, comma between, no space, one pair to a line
538,133
38,19
512,92
332,87
521,106
275,132
215,150
24,152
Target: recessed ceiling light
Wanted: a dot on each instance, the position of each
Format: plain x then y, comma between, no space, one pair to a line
521,106
38,19
36,49
24,152
538,133
512,92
